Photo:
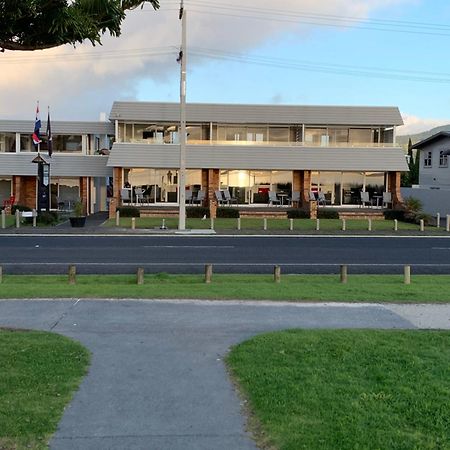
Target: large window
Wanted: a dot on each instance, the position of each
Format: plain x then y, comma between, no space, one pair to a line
443,158
428,159
64,192
5,189
316,136
7,142
360,136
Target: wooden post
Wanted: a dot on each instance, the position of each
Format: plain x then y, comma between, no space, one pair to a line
208,273
140,276
317,224
239,224
72,274
117,218
34,217
265,224
407,275
422,225
17,218
438,220
291,224
395,225
344,274
3,219
133,223
212,223
277,274
370,224
344,224
447,226
1,274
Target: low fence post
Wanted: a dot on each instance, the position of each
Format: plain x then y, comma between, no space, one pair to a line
212,223
344,225
395,225
117,218
291,224
277,274
3,219
208,273
265,224
17,218
447,226
239,224
422,225
133,223
407,275
317,224
72,274
369,228
438,220
1,274
140,276
34,218
344,273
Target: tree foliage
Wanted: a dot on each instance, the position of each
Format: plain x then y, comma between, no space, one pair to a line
411,177
41,24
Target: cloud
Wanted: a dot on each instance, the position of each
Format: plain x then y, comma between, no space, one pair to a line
79,83
414,124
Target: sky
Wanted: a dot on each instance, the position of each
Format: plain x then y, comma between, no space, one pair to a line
306,52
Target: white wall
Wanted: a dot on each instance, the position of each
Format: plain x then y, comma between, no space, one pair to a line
433,200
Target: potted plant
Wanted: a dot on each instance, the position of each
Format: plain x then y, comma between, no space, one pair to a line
79,218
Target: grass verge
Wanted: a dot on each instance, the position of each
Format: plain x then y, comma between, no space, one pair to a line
40,371
360,288
346,389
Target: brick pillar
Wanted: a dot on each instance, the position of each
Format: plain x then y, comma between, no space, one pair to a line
117,184
25,191
112,207
84,183
296,184
212,186
305,187
394,189
17,188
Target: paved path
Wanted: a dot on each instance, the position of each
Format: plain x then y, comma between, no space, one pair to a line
157,379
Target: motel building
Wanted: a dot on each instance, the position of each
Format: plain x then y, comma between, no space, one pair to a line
239,155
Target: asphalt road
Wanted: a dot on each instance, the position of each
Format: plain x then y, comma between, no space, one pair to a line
188,254
157,378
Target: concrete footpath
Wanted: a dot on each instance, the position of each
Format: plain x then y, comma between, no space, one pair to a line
157,379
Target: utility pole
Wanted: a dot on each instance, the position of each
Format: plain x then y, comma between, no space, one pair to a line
182,171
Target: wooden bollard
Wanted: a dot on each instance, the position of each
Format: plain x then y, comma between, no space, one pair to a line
17,218
344,225
438,220
407,275
208,273
395,225
140,276
369,227
1,274
133,223
212,223
34,218
239,224
265,224
422,225
72,274
117,218
291,224
344,274
447,226
277,274
3,219
317,224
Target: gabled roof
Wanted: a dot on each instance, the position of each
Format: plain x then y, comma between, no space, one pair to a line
431,139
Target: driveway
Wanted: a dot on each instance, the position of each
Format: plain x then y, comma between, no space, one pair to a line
157,379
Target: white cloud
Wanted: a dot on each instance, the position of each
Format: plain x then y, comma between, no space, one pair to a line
414,124
79,86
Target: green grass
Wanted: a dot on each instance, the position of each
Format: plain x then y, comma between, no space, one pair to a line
247,224
364,288
39,373
9,222
347,389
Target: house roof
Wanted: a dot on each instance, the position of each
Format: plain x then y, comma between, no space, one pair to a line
258,114
431,139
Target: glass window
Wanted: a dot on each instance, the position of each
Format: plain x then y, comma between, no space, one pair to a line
257,134
65,143
279,134
5,189
316,136
443,159
26,145
8,142
360,136
427,162
338,136
194,133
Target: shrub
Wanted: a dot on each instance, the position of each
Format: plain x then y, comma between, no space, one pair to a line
394,214
296,213
128,211
45,218
197,212
230,213
413,204
324,214
20,208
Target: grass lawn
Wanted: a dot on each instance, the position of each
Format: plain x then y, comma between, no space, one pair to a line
364,288
272,224
10,221
39,373
346,389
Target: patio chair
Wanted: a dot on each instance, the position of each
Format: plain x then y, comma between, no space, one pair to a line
188,196
125,195
365,200
312,196
321,200
219,197
273,199
139,194
387,199
294,198
228,198
199,198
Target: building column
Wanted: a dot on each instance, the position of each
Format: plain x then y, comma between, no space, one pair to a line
117,184
17,188
84,195
296,185
394,188
212,184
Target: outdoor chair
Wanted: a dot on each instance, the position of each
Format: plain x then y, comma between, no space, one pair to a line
312,196
365,200
219,197
321,200
387,199
273,199
199,198
139,194
295,197
125,195
228,198
188,196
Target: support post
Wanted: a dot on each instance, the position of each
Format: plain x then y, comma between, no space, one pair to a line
140,276
34,218
407,275
208,273
1,274
447,225
133,223
317,224
291,224
395,225
344,224
17,218
370,224
344,274
265,224
277,274
72,274
438,220
239,224
212,223
3,219
117,218
422,225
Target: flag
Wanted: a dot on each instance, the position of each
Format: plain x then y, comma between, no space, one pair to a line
37,127
49,135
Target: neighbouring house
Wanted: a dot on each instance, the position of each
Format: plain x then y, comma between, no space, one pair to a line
246,150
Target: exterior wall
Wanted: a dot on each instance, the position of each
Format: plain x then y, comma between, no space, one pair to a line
25,191
433,200
394,184
84,196
435,175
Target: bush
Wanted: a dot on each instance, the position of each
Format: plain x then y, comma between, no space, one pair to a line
20,208
128,211
413,204
229,213
394,214
45,218
324,214
296,213
197,212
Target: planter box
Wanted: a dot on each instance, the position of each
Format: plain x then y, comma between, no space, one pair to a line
78,222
